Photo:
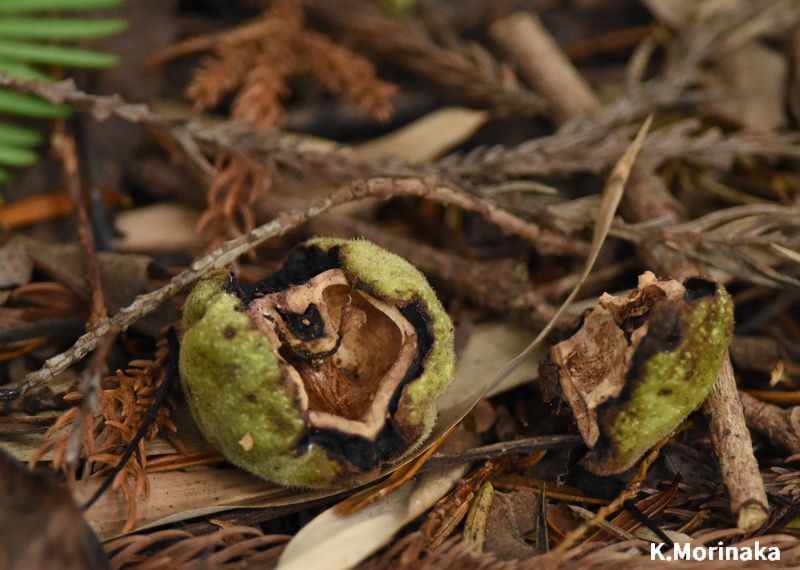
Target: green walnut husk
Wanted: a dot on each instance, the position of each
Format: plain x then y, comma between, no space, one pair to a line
638,366
324,371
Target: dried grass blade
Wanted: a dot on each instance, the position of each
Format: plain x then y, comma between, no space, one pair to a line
610,198
789,254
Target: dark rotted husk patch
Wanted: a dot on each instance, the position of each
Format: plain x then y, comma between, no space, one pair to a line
306,326
301,265
419,319
361,453
671,372
698,288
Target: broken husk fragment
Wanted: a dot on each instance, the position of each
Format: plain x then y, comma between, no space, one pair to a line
639,365
326,369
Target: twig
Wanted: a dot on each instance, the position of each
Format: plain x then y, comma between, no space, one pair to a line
64,146
232,249
538,55
781,427
57,327
731,440
502,449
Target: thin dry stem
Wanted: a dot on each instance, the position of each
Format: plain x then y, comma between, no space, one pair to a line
232,249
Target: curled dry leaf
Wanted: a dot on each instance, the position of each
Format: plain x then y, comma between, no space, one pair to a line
332,365
640,364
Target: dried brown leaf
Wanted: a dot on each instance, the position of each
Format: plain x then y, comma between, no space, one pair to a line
513,516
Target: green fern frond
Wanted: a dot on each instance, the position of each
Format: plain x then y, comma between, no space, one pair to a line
32,28
27,40
19,136
28,6
55,55
15,156
21,70
20,105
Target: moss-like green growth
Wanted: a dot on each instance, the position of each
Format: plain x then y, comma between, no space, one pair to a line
673,370
247,397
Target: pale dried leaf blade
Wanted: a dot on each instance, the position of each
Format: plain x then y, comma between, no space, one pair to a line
612,194
180,495
753,80
336,542
426,138
168,226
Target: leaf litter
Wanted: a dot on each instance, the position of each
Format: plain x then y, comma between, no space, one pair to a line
513,486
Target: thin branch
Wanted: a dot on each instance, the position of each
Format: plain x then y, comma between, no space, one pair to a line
232,249
588,150
65,149
524,445
781,426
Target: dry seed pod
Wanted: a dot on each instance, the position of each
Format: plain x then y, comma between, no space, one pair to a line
326,369
639,365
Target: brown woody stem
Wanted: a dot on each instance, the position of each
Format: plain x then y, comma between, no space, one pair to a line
781,426
232,249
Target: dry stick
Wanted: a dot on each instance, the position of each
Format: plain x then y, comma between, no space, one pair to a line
646,199
232,249
729,435
64,146
781,426
490,284
524,36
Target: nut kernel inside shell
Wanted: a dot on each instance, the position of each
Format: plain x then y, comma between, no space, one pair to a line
347,357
